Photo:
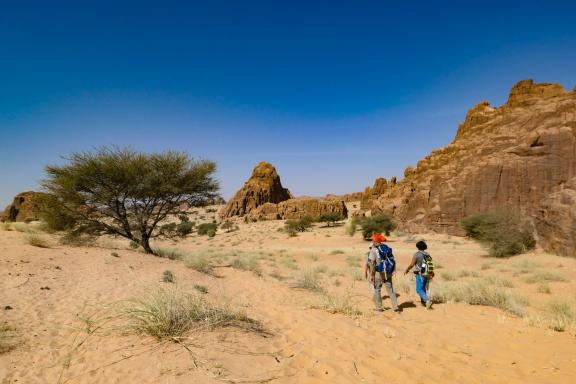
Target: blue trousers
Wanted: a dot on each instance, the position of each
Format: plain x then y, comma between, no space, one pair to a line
421,287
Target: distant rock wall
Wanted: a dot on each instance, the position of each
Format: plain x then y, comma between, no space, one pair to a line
519,156
298,208
23,208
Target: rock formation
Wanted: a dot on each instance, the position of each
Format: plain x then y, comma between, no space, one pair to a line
520,156
23,208
298,208
264,186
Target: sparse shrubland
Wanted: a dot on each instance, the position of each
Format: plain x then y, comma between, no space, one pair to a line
503,234
330,218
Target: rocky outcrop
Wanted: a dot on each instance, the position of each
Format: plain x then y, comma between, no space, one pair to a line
555,220
371,194
298,208
263,187
519,156
23,208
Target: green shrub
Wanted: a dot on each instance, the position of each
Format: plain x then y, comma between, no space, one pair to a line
207,229
376,224
228,226
184,228
52,212
352,227
168,230
134,244
503,234
330,218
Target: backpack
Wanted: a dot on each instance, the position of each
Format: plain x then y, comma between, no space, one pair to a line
427,267
387,262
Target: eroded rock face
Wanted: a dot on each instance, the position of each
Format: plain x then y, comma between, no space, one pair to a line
512,157
23,208
298,208
263,187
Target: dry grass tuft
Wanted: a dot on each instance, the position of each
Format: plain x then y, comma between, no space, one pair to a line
171,314
37,241
309,280
332,303
247,263
480,292
7,338
199,262
562,315
542,276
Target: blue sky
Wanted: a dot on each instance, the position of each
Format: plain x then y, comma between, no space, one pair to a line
334,94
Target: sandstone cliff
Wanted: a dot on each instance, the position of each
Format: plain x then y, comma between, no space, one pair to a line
298,208
264,186
23,208
519,156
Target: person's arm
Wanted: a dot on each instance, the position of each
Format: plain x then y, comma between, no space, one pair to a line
372,263
412,264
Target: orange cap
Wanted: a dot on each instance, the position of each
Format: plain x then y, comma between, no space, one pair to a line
378,238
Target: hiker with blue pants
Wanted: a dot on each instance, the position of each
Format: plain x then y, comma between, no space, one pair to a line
377,278
419,267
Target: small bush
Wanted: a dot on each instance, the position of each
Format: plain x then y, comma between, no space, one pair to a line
171,314
228,226
337,252
169,253
321,268
503,234
53,213
288,262
332,303
74,239
330,218
168,230
293,226
37,241
376,224
134,244
352,227
207,229
201,288
114,254
168,277
184,228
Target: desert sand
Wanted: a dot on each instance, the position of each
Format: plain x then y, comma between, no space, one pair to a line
62,298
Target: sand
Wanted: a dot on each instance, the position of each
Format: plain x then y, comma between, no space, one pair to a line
63,336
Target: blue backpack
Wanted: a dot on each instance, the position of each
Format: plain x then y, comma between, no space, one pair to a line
387,262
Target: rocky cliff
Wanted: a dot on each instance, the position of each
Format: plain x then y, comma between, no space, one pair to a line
519,156
23,208
264,186
298,208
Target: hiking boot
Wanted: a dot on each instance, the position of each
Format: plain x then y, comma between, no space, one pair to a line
429,304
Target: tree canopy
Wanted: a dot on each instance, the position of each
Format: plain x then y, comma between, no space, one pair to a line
126,192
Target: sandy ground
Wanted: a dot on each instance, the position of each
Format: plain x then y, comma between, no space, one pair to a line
63,335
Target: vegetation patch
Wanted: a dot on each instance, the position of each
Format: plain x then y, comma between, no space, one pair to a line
37,241
7,338
376,224
310,281
562,315
341,304
543,276
171,314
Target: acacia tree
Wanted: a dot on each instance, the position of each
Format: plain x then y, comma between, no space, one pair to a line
125,192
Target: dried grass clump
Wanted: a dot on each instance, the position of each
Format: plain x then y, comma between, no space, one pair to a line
310,281
562,315
168,277
543,276
169,253
247,263
199,262
342,304
7,338
480,292
37,241
171,314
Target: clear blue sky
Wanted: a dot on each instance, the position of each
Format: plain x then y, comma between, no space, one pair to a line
333,93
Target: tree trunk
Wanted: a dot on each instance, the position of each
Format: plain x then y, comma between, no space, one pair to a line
145,242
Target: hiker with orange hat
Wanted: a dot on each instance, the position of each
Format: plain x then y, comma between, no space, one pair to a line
380,267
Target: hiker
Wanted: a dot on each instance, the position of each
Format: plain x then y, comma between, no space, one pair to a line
423,269
379,268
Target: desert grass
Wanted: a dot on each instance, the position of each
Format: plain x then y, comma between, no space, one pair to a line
247,263
337,252
169,253
201,288
525,266
321,268
37,241
18,227
448,276
543,288
170,314
337,304
353,261
498,281
404,283
562,315
199,262
355,273
309,280
312,256
277,275
7,338
168,277
543,276
480,292
289,262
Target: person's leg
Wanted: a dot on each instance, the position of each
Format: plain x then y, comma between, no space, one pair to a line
391,293
421,288
377,292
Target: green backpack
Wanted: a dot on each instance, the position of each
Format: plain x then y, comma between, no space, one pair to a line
427,267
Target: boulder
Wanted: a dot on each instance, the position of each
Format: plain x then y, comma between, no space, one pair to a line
264,186
23,208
